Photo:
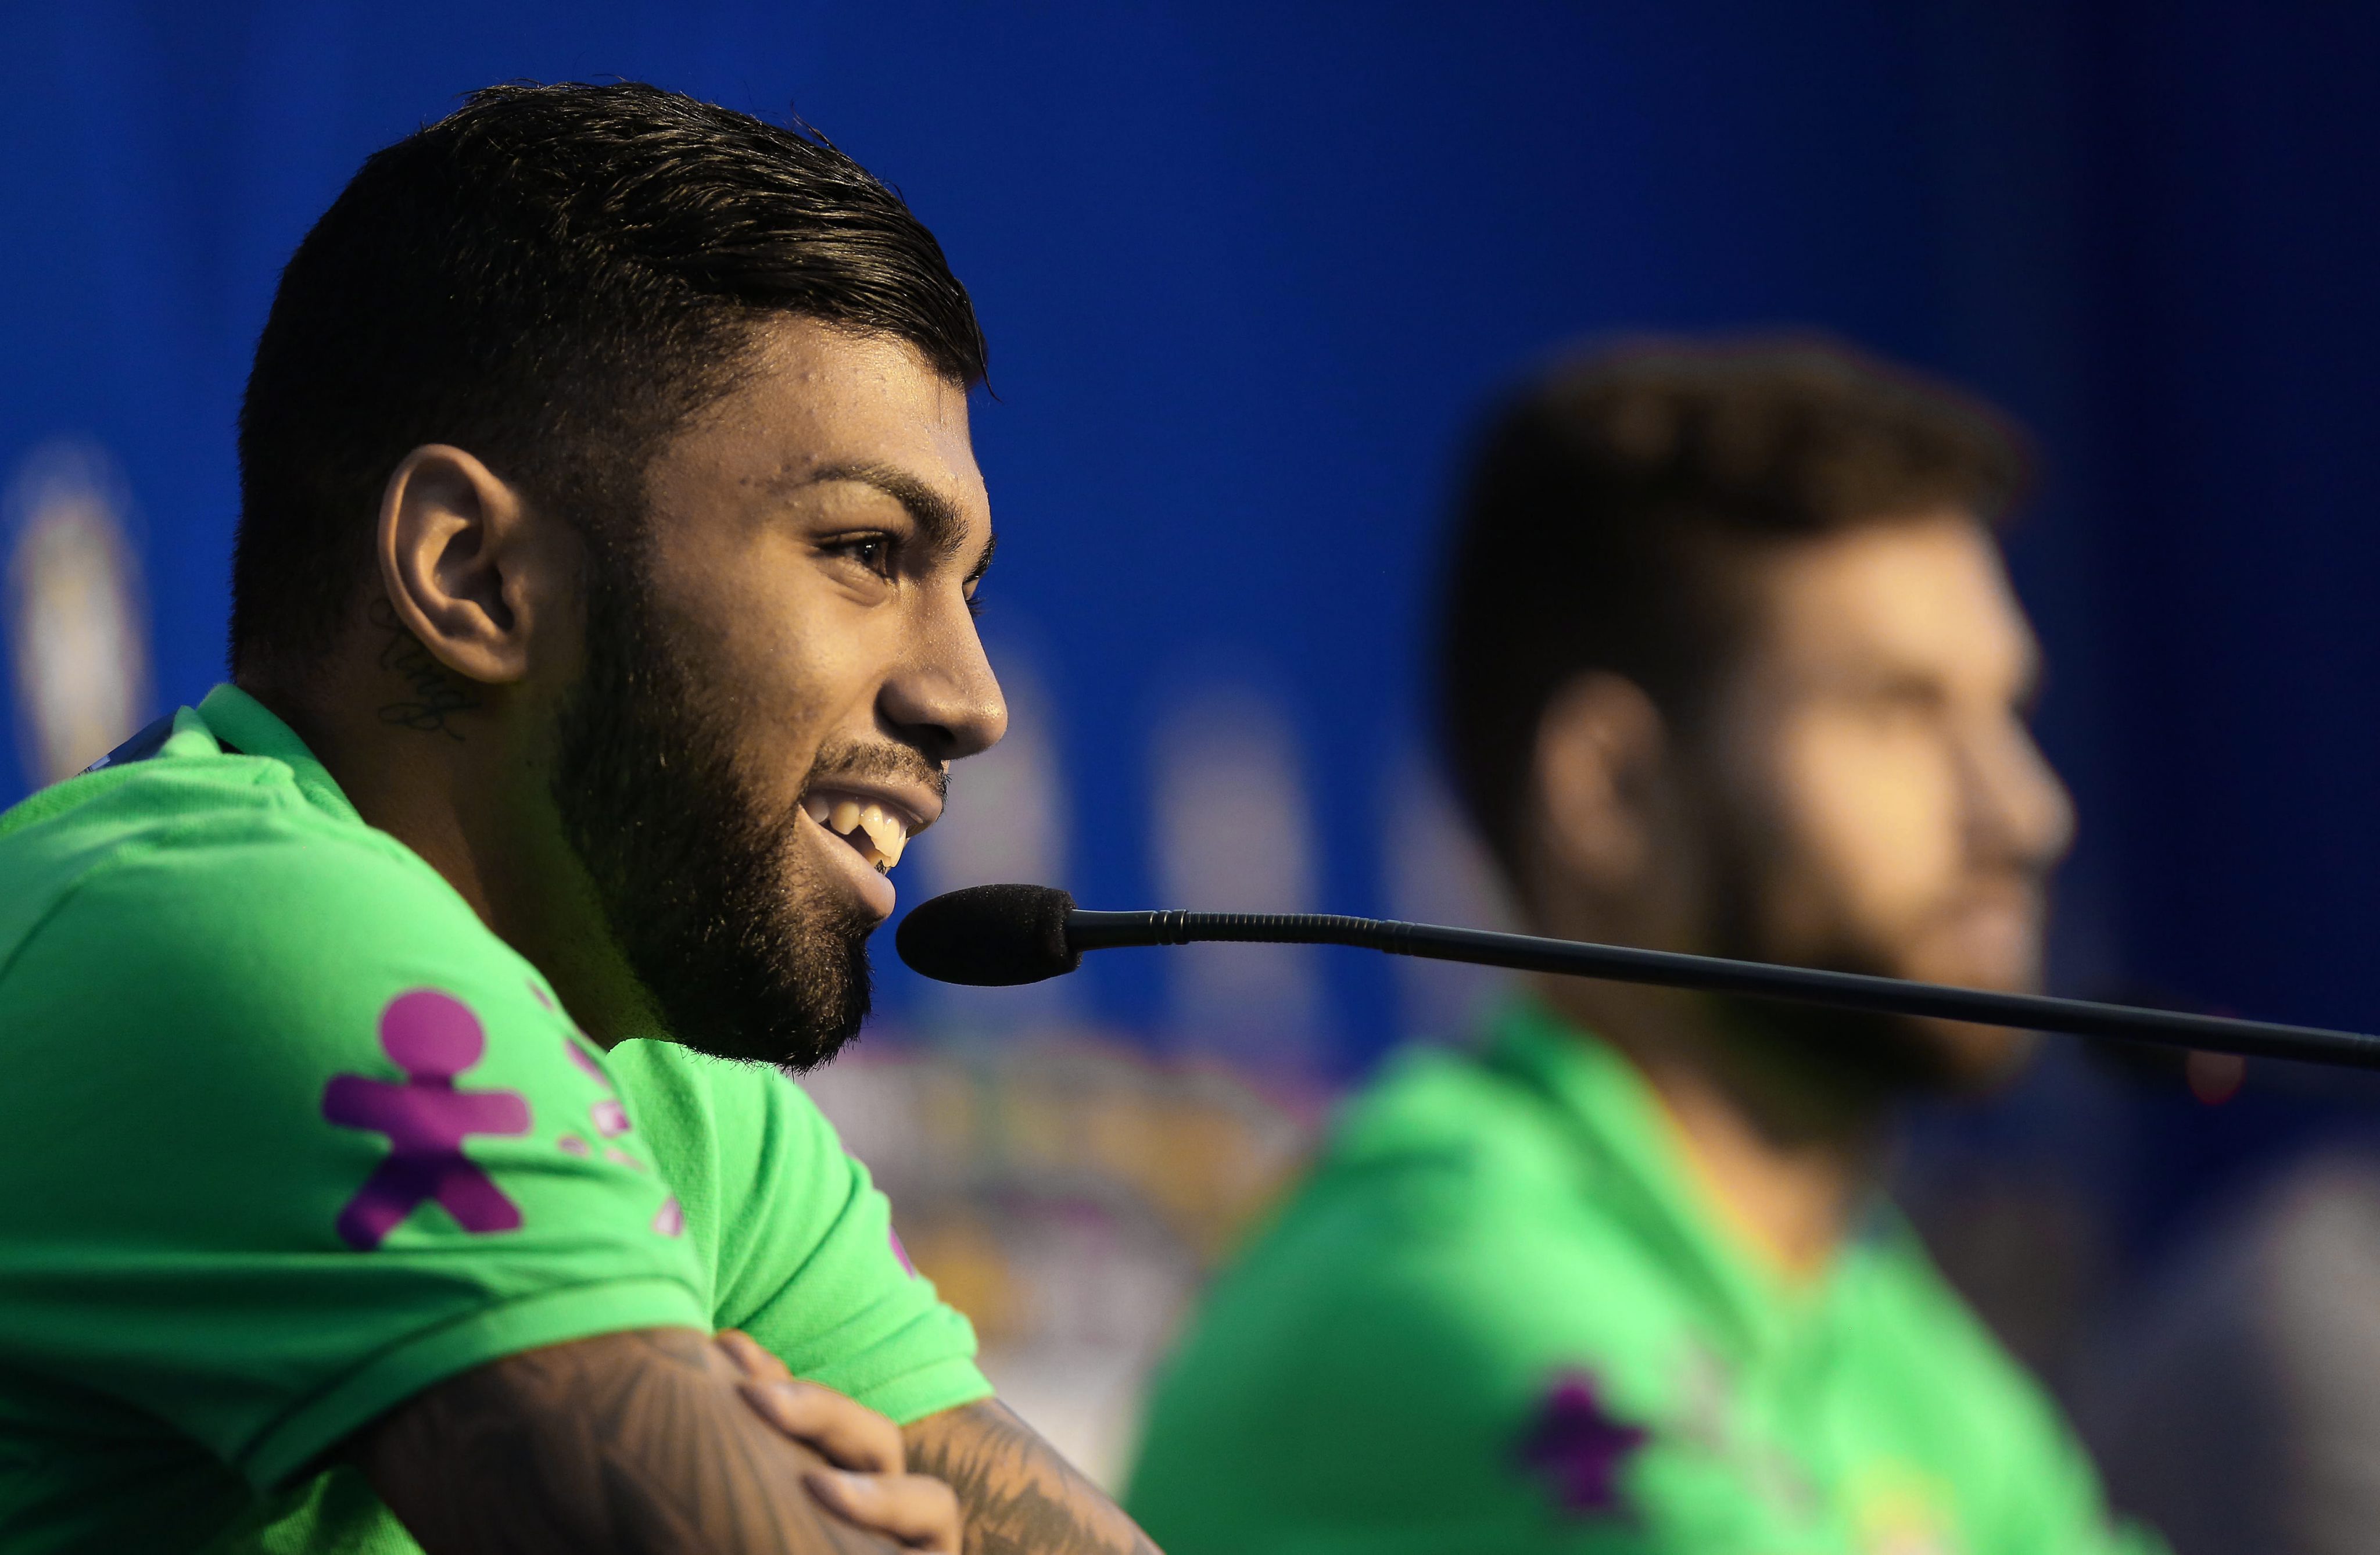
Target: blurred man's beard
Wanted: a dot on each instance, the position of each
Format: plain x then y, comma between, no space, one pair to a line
746,953
1866,1051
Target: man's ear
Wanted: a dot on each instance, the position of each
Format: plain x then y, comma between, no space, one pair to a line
462,563
1594,786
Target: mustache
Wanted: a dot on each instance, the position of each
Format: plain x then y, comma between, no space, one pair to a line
861,760
2022,891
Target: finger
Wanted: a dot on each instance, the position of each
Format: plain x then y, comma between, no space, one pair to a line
846,1433
918,1511
750,1359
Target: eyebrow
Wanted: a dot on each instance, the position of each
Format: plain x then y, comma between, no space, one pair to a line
937,517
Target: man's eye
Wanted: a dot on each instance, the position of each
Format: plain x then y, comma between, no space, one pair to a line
872,551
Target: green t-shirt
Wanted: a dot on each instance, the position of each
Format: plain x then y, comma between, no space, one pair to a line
1498,1316
292,1135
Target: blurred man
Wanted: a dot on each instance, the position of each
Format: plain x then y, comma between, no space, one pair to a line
393,1109
1731,666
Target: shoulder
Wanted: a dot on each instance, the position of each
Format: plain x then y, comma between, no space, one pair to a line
1448,1226
199,924
1438,1122
192,848
1376,1355
1447,1170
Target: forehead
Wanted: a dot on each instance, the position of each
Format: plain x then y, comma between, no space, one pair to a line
812,396
1928,593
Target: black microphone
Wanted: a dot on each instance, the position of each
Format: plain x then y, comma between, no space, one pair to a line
996,936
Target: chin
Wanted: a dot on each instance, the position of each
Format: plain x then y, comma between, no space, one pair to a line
1907,1056
1965,1059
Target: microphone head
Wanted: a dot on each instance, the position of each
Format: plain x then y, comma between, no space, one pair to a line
989,936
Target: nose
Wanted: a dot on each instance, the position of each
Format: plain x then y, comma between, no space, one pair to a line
944,698
2017,807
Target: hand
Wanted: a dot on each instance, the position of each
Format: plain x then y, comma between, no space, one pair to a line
868,1486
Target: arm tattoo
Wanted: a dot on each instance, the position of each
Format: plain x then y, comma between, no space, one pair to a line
436,693
1018,1495
629,1444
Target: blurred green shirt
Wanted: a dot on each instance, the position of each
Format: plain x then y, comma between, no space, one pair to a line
1500,1317
292,1137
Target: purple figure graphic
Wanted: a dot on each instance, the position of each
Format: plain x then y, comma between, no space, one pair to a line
1579,1446
433,1038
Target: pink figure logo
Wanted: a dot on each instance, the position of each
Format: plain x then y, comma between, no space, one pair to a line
433,1038
1579,1446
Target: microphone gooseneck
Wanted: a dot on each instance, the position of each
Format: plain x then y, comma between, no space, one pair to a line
998,935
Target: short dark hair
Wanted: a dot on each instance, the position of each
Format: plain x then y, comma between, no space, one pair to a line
555,278
1608,507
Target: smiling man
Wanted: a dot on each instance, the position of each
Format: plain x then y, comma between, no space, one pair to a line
394,1033
1731,666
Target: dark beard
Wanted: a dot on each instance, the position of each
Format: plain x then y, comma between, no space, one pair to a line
1867,1057
743,953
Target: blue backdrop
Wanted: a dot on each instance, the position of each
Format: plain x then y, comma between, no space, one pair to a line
1248,271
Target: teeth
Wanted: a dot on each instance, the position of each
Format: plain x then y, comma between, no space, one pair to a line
878,834
887,834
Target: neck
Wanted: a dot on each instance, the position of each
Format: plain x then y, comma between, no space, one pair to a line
1788,1154
468,795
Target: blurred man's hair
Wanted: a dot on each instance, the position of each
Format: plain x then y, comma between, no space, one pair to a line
553,278
1613,504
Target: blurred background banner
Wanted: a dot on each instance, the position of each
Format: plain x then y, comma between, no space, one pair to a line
1250,274
77,621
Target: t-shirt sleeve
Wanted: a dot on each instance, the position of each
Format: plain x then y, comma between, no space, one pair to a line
809,1267
295,1138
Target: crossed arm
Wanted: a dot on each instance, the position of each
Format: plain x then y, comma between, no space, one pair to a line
659,1440
632,1444
1016,1494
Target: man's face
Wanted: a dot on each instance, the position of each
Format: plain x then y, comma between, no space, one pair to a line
778,669
1883,802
